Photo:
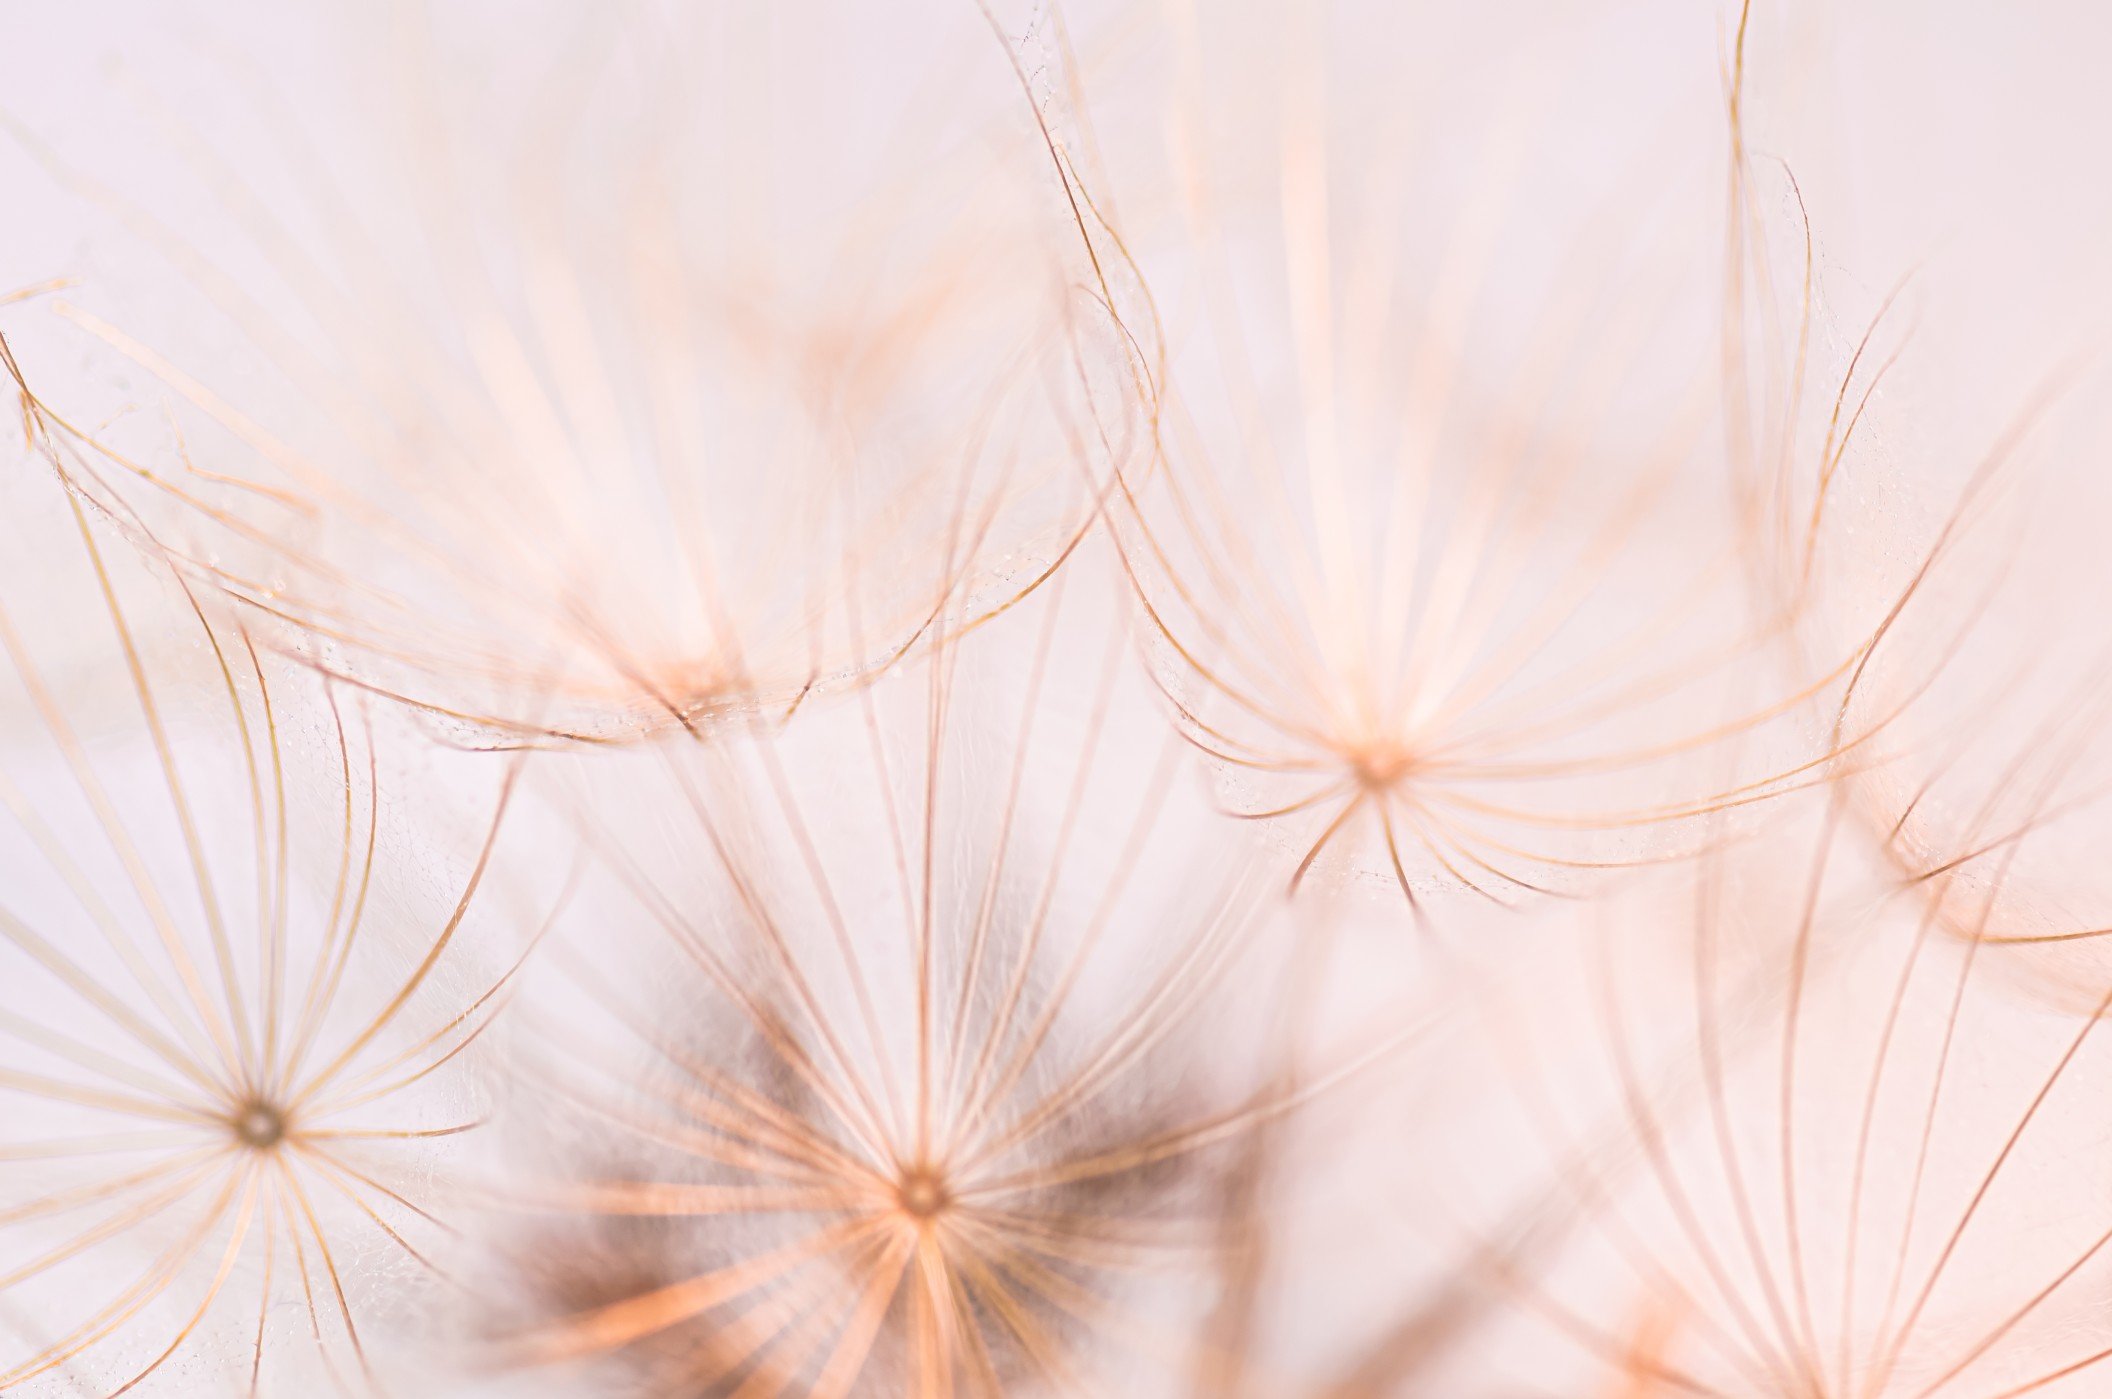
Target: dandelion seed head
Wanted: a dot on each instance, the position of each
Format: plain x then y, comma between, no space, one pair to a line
255,1056
655,434
988,1121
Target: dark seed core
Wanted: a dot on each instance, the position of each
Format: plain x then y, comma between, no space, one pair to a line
259,1126
922,1193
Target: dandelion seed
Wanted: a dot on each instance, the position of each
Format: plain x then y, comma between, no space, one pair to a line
629,432
1415,555
926,1097
217,1110
1956,565
1836,1161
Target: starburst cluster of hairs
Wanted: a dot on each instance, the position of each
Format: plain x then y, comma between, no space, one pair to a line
942,701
